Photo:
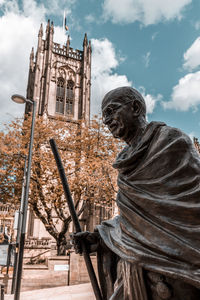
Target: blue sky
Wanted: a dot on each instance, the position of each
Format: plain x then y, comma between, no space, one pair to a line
152,45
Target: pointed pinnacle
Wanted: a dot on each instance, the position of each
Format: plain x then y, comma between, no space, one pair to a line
32,54
85,41
52,27
40,33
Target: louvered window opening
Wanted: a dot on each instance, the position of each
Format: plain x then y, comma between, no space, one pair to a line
69,97
60,96
64,97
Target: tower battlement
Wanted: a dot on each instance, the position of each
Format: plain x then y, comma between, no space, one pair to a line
71,53
60,77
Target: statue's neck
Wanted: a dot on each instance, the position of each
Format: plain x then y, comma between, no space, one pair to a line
138,134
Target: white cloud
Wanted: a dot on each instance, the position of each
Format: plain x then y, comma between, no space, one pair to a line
145,11
57,7
154,35
197,25
90,18
186,94
150,100
192,56
104,56
18,30
191,135
146,59
104,77
59,35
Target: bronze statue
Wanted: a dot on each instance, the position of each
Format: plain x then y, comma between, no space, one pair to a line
151,250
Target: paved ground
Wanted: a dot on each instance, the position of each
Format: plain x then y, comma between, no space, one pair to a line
73,292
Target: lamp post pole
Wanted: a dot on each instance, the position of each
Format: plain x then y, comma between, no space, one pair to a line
21,99
19,229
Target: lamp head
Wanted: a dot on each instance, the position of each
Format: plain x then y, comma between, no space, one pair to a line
18,99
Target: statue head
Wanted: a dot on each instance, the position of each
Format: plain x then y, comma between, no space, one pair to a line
124,112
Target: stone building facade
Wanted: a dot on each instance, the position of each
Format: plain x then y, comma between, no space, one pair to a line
6,221
59,81
60,78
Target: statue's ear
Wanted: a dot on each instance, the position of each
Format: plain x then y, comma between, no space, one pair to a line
137,107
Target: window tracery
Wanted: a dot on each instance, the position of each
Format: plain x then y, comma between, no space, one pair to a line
69,97
64,97
60,94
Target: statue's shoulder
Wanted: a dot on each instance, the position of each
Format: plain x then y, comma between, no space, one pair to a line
168,137
176,138
173,132
165,129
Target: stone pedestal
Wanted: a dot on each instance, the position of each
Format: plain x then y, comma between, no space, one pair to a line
59,271
55,261
61,266
78,270
54,274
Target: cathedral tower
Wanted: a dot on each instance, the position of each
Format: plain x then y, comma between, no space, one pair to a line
60,78
59,81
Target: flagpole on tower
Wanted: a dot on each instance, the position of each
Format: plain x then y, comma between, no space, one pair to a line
63,22
65,27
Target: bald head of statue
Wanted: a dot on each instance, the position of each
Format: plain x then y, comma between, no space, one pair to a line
124,112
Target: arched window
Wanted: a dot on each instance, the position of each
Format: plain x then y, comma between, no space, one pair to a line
64,97
70,90
60,96
69,98
69,107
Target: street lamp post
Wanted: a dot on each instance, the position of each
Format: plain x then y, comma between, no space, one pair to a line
21,99
20,213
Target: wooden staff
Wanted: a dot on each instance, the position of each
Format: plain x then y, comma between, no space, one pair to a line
75,220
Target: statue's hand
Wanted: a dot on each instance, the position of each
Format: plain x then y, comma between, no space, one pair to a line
91,240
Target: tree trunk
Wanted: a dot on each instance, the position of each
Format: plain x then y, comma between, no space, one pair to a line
61,245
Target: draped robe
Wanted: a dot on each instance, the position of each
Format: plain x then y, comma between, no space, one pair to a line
158,228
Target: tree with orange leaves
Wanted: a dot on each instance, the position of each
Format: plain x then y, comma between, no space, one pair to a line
87,153
196,144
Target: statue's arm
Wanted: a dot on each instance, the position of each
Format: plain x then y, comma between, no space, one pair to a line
92,240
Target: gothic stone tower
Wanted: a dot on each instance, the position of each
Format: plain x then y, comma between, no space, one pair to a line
60,78
59,81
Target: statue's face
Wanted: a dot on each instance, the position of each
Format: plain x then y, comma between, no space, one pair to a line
118,116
